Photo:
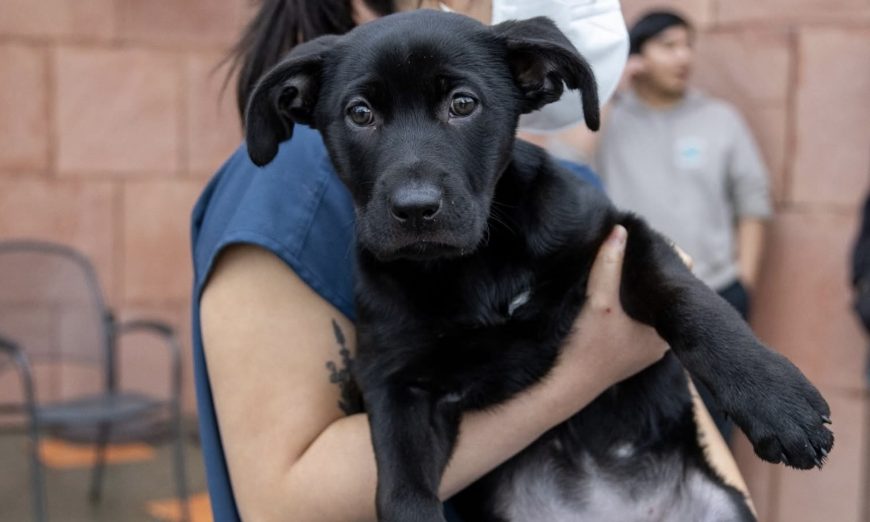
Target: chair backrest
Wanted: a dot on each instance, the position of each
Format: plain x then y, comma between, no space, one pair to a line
51,305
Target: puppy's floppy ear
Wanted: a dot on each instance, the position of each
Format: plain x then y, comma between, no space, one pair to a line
543,60
285,95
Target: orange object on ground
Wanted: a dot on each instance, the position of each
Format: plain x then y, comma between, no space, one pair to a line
170,510
63,455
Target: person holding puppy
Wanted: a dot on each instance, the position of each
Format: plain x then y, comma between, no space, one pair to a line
282,431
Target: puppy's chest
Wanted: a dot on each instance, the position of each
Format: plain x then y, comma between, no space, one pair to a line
500,292
476,298
481,305
462,336
487,302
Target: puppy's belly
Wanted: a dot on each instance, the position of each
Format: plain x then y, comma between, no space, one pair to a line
662,490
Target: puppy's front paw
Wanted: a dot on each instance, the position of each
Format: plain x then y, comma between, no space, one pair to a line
784,415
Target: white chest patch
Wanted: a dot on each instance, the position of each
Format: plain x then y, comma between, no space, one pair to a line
664,491
518,301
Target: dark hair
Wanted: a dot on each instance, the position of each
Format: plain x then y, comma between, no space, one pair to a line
278,26
651,25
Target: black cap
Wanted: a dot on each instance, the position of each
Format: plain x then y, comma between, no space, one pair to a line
651,25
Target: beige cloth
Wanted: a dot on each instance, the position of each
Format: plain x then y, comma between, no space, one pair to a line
717,452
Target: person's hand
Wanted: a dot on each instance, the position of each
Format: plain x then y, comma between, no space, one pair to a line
633,67
613,343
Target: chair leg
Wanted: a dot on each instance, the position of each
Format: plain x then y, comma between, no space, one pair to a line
180,468
99,464
37,476
37,472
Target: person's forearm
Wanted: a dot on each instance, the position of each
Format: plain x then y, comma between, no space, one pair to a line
335,478
750,237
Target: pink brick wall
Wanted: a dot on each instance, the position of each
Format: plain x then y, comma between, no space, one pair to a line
110,124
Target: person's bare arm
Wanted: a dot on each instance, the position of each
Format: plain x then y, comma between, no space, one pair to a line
294,455
750,246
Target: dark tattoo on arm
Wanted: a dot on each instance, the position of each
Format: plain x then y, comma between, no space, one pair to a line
351,398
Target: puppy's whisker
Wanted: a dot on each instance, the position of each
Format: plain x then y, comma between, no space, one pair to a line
500,219
501,204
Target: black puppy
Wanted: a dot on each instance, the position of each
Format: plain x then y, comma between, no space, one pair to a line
474,251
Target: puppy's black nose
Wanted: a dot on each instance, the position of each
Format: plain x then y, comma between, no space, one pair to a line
416,203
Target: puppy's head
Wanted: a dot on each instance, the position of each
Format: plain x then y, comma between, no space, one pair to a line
418,112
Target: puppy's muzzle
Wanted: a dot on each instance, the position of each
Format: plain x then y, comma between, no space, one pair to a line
416,204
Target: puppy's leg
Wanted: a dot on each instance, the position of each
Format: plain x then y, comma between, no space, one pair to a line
767,396
413,437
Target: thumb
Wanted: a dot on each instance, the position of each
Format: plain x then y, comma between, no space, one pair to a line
606,273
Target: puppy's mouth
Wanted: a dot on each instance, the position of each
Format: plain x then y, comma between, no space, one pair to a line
427,250
449,235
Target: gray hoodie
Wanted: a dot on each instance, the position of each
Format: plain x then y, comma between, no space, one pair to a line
691,170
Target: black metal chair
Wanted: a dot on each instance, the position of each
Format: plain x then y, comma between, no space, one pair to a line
53,318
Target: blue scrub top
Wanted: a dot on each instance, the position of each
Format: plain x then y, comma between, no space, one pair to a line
298,209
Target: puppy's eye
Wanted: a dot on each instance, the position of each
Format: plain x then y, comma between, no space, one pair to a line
360,114
462,105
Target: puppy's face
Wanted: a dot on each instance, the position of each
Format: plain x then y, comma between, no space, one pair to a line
418,112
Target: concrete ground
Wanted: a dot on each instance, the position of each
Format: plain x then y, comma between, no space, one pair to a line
139,485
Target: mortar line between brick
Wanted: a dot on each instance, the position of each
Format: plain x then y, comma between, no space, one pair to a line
856,23
820,209
791,120
117,42
119,247
182,111
51,103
